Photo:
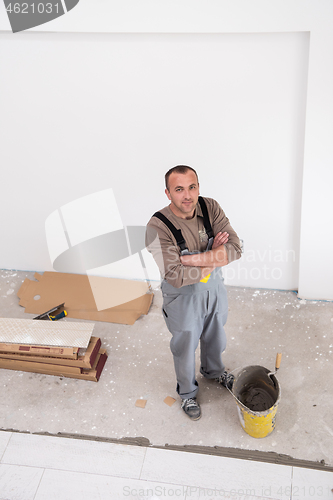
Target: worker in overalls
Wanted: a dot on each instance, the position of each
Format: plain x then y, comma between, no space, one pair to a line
190,240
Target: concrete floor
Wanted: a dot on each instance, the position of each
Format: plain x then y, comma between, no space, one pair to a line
261,323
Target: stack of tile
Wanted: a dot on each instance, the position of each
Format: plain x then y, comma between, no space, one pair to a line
64,349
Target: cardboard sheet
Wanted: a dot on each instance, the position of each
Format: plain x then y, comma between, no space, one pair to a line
48,333
85,361
75,290
40,350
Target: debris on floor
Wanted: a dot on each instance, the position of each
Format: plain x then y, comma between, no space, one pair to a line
140,403
169,401
86,297
51,348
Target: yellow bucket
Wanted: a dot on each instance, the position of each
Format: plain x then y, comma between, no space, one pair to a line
257,397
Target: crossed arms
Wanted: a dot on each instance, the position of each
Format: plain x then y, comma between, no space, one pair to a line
207,261
190,269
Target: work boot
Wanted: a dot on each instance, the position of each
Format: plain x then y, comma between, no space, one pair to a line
192,408
226,379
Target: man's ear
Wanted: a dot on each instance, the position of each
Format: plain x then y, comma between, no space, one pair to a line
167,193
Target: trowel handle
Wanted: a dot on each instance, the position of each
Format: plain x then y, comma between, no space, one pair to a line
58,316
278,360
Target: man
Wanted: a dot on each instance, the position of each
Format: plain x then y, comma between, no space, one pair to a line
191,239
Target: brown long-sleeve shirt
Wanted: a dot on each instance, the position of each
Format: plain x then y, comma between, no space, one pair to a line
163,246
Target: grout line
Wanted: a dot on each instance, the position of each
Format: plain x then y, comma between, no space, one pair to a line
291,483
41,477
71,471
4,451
143,461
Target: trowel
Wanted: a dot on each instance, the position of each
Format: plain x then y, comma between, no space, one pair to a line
277,365
47,315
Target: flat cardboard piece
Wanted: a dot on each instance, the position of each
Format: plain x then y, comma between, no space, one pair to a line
110,292
169,401
85,361
40,350
140,403
59,371
75,290
49,333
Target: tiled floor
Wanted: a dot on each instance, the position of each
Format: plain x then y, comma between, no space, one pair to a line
34,467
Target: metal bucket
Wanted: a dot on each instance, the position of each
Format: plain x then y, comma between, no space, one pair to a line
257,397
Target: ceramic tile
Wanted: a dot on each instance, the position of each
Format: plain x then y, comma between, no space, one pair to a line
19,483
65,485
196,493
74,455
4,440
214,472
39,332
310,484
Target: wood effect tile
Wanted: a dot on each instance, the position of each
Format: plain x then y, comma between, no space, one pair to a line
214,472
74,455
310,484
195,493
64,485
19,483
4,440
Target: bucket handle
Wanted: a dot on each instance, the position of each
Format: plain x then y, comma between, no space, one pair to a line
239,402
233,395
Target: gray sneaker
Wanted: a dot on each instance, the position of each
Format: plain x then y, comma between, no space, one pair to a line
226,379
192,408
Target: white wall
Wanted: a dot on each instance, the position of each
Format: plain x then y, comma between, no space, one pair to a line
84,112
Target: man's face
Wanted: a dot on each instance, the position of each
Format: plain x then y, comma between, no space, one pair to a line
183,193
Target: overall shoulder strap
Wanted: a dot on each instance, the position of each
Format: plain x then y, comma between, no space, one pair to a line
176,232
206,220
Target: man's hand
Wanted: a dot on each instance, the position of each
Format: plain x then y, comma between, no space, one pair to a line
220,239
217,256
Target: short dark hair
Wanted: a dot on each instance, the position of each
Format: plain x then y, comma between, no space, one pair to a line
178,169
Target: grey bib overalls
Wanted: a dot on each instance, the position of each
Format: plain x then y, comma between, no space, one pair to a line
192,313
